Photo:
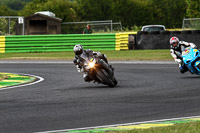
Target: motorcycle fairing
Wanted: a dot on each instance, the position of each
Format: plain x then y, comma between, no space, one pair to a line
191,58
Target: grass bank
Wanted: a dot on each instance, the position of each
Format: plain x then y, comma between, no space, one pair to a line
112,55
2,77
192,127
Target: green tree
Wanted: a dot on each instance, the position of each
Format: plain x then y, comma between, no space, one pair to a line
131,12
5,11
168,12
14,4
193,10
91,10
32,7
63,9
3,25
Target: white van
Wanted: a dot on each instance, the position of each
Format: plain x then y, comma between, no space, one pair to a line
153,28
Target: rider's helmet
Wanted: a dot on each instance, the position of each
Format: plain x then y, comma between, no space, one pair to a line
78,49
174,42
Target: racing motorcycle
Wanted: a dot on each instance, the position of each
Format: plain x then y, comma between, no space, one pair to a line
191,58
98,69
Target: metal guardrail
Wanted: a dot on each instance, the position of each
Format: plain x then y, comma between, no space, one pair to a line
53,43
2,44
63,42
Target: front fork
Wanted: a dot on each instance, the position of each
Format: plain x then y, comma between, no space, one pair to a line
197,65
106,67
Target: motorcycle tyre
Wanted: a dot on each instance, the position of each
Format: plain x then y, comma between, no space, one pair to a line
198,66
115,81
105,79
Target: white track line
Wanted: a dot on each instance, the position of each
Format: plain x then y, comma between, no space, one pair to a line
40,80
126,124
71,62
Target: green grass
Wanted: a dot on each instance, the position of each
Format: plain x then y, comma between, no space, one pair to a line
2,77
192,127
112,55
139,55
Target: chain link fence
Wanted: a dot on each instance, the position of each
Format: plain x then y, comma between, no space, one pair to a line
106,26
11,25
15,25
191,24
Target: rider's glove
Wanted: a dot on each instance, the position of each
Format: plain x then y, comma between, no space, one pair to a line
178,61
75,61
79,68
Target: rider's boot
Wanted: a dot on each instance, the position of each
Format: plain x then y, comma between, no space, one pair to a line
182,70
115,81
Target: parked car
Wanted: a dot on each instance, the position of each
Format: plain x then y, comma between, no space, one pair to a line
153,28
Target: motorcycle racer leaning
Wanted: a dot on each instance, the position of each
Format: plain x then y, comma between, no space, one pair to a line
78,50
177,47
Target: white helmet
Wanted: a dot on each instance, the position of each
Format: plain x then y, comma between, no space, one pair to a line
78,49
174,42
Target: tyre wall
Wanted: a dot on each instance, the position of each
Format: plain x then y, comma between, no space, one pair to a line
160,40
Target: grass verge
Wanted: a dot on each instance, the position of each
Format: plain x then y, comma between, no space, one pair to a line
111,54
2,77
192,127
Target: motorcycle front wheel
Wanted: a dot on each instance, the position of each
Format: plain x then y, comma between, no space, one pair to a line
104,77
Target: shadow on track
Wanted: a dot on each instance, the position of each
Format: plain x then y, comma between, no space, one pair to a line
98,87
191,77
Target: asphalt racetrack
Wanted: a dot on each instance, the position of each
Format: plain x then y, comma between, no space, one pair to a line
64,101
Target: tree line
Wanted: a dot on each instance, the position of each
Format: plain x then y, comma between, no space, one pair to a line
132,13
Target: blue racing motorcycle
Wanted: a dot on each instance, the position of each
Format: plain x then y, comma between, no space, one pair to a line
191,58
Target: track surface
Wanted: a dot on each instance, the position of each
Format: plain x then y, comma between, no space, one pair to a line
64,101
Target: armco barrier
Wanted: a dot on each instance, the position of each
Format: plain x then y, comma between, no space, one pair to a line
118,41
66,42
2,44
123,40
63,42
